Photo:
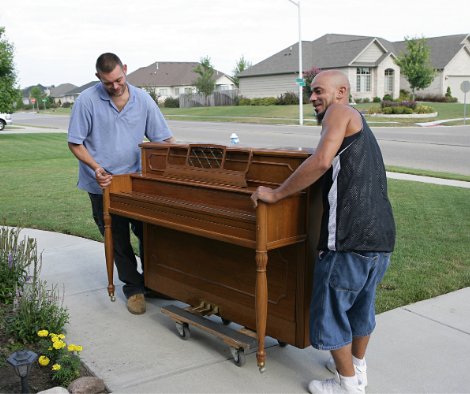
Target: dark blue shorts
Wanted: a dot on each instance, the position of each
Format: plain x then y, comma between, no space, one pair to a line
343,299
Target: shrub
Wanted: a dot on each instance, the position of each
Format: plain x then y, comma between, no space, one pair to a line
288,98
404,95
407,104
366,100
387,97
35,305
424,109
171,102
376,100
375,109
244,101
66,105
15,258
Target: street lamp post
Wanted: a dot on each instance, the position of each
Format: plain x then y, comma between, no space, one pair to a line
301,96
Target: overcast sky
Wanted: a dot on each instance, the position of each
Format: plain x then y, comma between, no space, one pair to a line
58,41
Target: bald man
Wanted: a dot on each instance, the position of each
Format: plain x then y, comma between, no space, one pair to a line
357,232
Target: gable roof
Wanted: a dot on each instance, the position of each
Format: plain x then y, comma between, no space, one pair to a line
167,74
443,49
62,90
328,51
80,89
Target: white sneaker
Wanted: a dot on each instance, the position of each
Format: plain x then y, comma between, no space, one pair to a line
361,371
334,386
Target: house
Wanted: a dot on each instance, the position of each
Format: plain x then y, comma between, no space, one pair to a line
450,56
369,63
72,95
60,93
170,79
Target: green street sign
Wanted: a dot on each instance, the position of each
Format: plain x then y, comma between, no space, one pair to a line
299,80
44,100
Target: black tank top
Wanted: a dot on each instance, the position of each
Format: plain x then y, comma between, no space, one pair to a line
357,214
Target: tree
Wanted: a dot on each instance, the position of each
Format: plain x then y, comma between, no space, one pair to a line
205,83
415,64
242,65
308,76
10,93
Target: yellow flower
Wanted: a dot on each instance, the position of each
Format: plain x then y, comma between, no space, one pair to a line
78,348
43,333
56,367
43,360
61,336
74,348
54,338
58,344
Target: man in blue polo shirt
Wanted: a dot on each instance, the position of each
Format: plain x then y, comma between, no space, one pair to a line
108,122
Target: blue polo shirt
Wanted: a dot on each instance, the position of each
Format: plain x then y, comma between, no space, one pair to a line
111,137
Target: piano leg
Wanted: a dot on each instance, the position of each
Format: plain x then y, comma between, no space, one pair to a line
108,244
261,282
261,306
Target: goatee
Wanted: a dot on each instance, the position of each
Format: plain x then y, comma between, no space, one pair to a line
320,117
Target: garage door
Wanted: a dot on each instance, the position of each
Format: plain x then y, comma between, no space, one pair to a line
454,83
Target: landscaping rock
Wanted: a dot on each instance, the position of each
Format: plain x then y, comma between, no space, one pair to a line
55,390
87,385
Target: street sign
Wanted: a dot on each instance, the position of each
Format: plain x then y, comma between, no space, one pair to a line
465,86
302,83
298,80
44,100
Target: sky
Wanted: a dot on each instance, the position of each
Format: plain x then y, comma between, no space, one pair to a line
58,41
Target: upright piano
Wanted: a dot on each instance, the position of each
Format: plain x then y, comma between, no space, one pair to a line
205,243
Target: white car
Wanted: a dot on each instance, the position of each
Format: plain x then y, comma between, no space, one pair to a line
5,119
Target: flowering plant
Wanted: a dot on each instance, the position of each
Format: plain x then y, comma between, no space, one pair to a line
64,358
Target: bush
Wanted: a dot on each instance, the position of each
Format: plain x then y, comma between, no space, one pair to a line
398,110
171,102
244,101
35,305
404,95
66,105
387,97
366,100
15,258
424,109
407,104
375,109
288,98
436,98
376,100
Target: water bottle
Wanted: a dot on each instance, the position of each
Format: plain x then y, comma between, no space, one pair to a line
234,140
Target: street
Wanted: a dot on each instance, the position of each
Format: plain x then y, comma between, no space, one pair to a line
440,148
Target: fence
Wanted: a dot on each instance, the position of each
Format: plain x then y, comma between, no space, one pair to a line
218,98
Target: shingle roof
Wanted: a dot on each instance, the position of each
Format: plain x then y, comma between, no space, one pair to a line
61,90
328,51
81,88
340,50
166,74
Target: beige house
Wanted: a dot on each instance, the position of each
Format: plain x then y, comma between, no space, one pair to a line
369,63
170,79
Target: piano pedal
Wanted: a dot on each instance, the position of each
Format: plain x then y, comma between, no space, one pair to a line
204,309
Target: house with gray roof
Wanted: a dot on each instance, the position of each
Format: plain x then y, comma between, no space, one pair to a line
60,93
369,63
170,79
450,56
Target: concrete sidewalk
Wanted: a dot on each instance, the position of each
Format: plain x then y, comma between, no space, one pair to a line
420,348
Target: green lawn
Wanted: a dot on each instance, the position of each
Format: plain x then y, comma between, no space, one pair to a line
38,177
289,114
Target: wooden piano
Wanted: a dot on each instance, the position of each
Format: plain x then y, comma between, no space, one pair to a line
205,243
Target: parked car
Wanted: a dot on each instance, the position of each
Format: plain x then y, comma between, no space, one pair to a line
4,120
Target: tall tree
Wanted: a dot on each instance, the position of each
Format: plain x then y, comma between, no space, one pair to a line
205,82
242,65
415,64
9,92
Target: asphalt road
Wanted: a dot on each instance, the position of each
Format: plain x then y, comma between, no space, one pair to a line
439,148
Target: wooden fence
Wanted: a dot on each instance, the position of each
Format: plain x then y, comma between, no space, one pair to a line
218,98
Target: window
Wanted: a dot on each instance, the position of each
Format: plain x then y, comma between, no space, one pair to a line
188,90
363,78
162,92
177,91
389,77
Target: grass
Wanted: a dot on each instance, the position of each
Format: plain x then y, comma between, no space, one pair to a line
432,257
289,114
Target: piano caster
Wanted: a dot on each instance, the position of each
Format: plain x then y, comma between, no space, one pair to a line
225,322
281,343
238,355
262,368
183,330
112,298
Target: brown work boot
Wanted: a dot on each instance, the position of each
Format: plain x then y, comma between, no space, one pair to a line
136,304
